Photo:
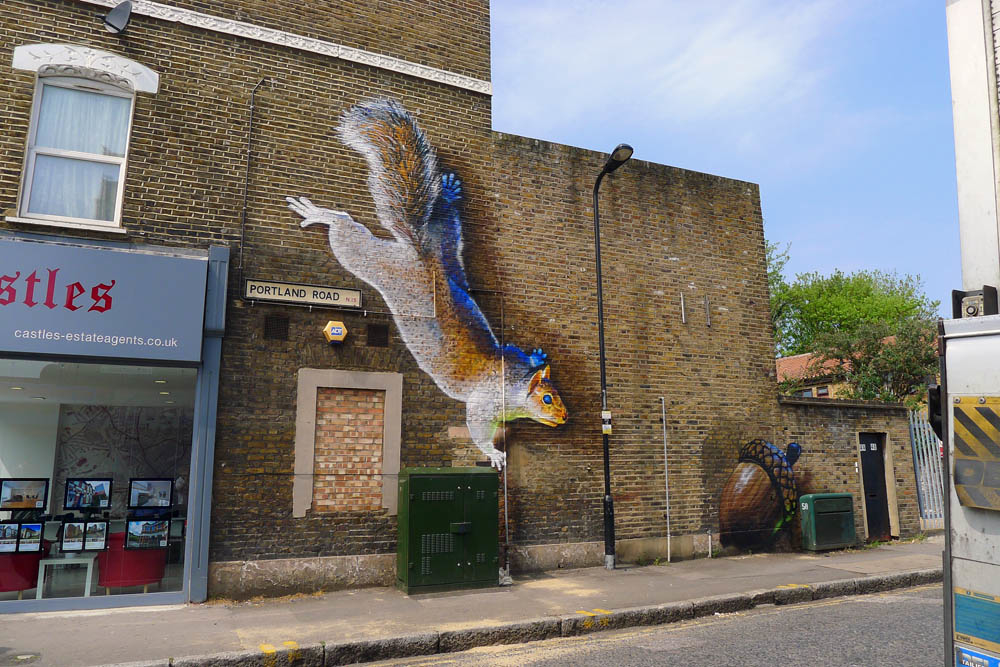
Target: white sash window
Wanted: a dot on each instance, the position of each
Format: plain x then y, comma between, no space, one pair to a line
75,164
77,144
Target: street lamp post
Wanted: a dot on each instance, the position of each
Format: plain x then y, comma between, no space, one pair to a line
619,156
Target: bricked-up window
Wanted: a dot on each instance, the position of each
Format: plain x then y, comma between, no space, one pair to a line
74,168
347,469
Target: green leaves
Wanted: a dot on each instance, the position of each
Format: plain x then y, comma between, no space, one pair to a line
878,328
884,361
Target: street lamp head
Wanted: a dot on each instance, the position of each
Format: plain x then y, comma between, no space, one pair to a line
619,156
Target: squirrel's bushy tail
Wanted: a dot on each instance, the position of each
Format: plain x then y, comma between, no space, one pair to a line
403,171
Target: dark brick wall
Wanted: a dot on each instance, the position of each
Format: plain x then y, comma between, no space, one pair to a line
184,187
452,35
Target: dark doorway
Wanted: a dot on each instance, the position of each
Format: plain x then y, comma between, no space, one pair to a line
872,449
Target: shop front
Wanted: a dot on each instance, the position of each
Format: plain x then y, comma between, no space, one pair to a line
109,367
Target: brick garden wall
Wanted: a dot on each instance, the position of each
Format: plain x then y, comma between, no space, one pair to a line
828,431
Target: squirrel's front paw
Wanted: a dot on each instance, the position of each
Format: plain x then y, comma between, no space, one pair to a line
315,215
451,188
498,459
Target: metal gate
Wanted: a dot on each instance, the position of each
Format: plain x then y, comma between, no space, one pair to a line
927,468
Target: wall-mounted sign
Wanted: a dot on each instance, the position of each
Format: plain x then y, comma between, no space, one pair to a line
302,295
335,332
96,301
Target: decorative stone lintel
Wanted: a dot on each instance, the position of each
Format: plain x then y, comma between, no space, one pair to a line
86,62
80,72
281,38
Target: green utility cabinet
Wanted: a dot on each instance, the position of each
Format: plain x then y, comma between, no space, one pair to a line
448,529
827,521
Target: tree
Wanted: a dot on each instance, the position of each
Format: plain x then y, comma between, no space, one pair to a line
777,259
875,330
882,361
815,305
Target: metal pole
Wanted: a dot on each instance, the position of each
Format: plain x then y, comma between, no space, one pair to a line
666,468
609,508
246,177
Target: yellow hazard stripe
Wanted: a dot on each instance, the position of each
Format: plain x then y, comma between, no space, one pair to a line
976,433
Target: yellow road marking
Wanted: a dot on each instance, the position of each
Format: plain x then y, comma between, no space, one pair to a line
588,613
293,650
793,586
267,648
601,611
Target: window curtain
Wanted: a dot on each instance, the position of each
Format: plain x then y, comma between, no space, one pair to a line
85,122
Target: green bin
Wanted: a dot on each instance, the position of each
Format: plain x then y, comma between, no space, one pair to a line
448,529
827,521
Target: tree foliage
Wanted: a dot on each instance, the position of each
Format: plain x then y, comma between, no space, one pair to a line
878,328
882,361
813,304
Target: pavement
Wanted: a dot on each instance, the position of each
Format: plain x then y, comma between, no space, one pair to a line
365,625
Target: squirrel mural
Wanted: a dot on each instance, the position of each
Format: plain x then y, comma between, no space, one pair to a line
421,276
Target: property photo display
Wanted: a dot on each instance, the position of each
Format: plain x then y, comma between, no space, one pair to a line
72,536
87,494
147,533
8,536
30,537
95,536
23,494
150,493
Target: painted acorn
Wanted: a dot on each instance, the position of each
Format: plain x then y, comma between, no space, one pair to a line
760,497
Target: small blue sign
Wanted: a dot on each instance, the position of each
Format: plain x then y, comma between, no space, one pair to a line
966,657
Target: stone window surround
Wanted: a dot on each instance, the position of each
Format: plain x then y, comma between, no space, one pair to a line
309,382
103,71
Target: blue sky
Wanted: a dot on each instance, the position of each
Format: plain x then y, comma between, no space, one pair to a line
840,110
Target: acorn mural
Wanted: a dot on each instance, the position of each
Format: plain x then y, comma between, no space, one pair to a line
760,497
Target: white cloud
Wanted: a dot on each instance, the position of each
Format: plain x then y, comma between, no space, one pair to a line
659,59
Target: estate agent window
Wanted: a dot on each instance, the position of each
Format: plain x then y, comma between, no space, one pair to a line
78,142
95,476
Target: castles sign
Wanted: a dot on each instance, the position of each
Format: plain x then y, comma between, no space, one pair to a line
302,295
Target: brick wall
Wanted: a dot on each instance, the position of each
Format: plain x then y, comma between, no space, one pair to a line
184,187
453,36
348,451
527,221
828,431
666,232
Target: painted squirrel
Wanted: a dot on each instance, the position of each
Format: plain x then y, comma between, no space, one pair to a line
421,276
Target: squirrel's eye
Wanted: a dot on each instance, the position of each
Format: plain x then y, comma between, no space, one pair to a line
547,399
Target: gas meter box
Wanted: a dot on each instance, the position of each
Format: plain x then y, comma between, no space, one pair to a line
448,529
827,521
